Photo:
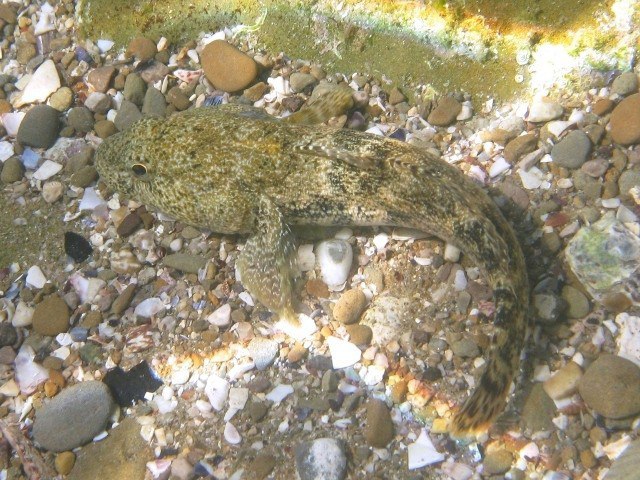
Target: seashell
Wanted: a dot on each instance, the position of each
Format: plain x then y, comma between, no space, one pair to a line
187,76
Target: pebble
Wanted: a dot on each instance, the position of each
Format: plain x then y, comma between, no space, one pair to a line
73,417
84,176
603,106
35,277
350,306
52,191
572,151
12,170
61,99
142,49
185,262
497,462
263,351
379,429
128,113
220,317
154,104
595,168
465,348
549,307
100,78
611,387
628,179
51,316
8,334
539,410
577,302
23,316
134,89
335,258
47,170
40,127
149,307
301,82
256,92
321,459
544,110
343,354
64,462
422,452
177,98
520,146
445,112
625,84
98,102
387,317
626,466
43,83
81,119
105,128
129,224
360,334
226,67
625,121
564,382
451,253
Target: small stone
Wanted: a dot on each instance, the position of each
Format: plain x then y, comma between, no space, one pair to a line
544,110
350,306
122,301
226,67
302,82
84,177
25,51
61,99
451,253
256,92
317,288
64,462
12,170
539,410
335,258
100,78
154,104
81,119
321,459
572,151
445,112
35,277
611,387
8,334
549,307
98,102
51,316
105,128
628,180
564,382
7,14
134,89
603,106
625,121
142,49
177,98
39,127
360,334
73,417
52,191
43,83
625,466
520,146
297,353
465,348
129,224
185,262
497,462
260,467
263,351
379,429
127,115
625,84
343,354
595,168
577,302
616,302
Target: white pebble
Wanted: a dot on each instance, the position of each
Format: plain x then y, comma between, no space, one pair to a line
466,112
532,178
44,81
28,373
422,452
629,339
220,317
52,191
306,257
35,277
344,234
610,202
47,21
11,122
149,307
90,200
238,397
104,45
47,170
246,298
557,127
565,183
499,166
180,377
231,434
542,110
335,258
6,151
460,281
343,354
380,241
279,393
451,253
217,391
23,315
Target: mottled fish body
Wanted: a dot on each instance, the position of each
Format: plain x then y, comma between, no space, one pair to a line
235,169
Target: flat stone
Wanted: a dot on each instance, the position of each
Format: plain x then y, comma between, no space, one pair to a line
627,465
142,49
445,112
379,429
226,67
577,302
122,301
51,316
154,104
544,110
611,387
61,99
98,102
302,81
625,121
154,71
129,224
539,410
134,89
572,151
350,306
100,78
39,127
260,467
549,307
256,92
520,146
465,348
185,262
564,382
263,351
73,417
122,455
177,98
360,334
85,176
321,459
628,180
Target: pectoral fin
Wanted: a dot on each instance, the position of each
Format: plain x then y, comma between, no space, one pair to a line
268,262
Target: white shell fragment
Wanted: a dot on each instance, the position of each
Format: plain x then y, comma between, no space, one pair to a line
149,307
217,391
629,339
47,21
335,258
35,277
43,83
343,354
6,151
306,257
231,434
279,393
220,317
422,452
28,373
90,200
47,170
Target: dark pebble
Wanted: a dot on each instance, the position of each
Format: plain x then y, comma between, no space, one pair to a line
129,224
39,127
8,334
77,247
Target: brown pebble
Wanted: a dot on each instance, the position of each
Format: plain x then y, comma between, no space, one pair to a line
256,92
142,49
603,106
122,302
64,462
360,334
177,98
350,306
297,353
616,302
92,319
317,288
445,112
226,67
100,78
261,467
105,128
588,459
520,146
379,429
625,121
129,224
51,316
399,392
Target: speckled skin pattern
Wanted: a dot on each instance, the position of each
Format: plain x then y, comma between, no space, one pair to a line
234,169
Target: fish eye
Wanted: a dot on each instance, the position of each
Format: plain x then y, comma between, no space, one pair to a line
139,169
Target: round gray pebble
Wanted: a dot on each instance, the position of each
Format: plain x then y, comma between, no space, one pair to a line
81,119
39,127
628,180
321,459
154,104
134,88
127,115
625,84
263,351
73,417
572,151
185,262
12,170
